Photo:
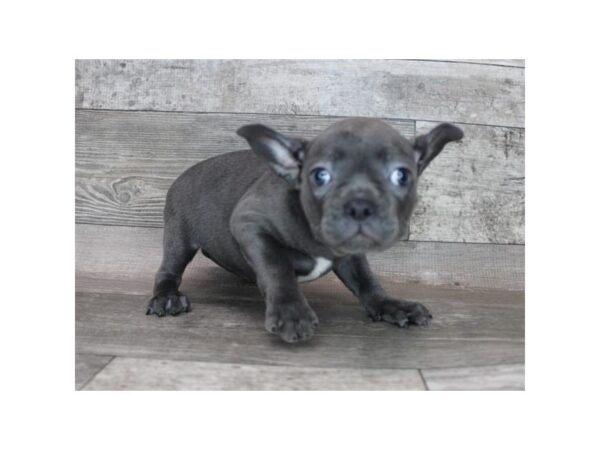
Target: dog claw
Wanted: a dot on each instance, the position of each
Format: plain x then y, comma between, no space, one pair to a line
292,322
401,322
168,304
422,321
400,313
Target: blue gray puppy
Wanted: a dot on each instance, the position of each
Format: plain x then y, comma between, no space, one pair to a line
292,209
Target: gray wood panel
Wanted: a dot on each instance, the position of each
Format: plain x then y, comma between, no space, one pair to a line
87,365
427,90
129,257
504,377
498,62
474,191
486,266
149,374
223,327
125,162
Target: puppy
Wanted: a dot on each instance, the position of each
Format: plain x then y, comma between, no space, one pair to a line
291,210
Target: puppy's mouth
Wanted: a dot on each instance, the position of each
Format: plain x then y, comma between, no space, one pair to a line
360,241
362,234
346,236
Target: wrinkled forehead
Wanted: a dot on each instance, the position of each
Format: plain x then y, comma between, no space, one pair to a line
361,137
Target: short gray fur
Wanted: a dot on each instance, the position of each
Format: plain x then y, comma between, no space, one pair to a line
293,208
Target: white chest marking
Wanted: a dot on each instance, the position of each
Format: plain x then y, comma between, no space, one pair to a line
322,265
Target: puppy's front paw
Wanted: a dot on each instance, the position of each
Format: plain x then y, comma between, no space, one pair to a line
173,304
399,312
293,322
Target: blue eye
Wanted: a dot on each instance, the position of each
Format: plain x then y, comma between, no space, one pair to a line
400,176
321,176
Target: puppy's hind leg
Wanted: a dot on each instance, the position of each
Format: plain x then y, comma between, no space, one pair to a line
177,253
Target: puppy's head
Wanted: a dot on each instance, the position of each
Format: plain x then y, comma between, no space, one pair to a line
357,179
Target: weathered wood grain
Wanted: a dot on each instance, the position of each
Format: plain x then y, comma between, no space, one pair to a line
428,90
126,161
485,266
225,328
474,191
129,257
86,366
498,62
149,374
503,377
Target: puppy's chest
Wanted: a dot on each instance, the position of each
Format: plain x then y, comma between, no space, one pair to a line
308,268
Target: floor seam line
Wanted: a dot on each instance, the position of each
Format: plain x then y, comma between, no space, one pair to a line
423,379
113,357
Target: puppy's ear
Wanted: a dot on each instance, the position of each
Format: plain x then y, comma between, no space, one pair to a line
283,153
428,146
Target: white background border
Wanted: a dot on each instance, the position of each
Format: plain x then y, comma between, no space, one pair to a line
40,42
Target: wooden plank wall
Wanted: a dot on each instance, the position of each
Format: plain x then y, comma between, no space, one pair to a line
139,123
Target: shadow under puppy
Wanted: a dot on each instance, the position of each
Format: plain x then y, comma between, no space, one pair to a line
292,209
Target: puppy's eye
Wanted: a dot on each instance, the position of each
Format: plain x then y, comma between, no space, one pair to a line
321,176
400,176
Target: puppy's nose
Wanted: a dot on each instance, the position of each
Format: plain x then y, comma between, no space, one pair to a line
359,209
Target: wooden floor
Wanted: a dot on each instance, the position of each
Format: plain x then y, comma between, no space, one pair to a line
476,340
